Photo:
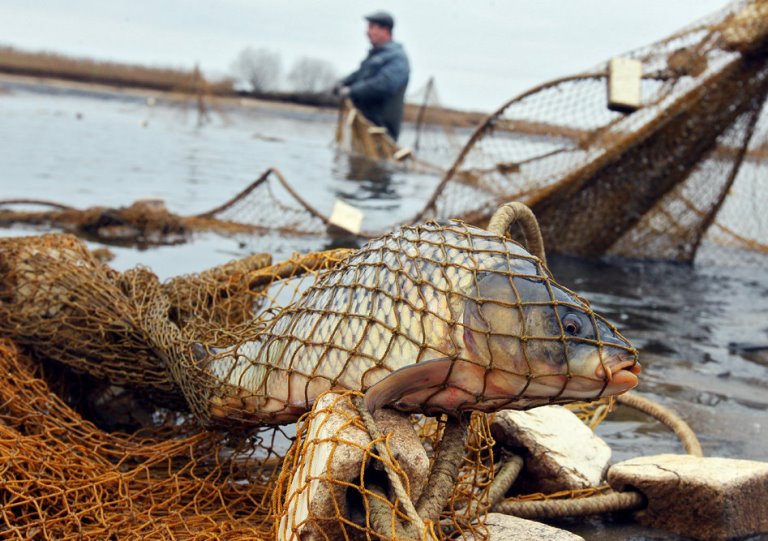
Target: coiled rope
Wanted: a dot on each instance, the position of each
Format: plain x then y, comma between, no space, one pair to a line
519,213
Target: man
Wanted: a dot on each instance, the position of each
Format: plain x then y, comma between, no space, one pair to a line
377,88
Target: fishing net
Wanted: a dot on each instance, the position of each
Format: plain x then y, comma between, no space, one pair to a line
64,478
675,175
438,133
172,347
268,204
65,305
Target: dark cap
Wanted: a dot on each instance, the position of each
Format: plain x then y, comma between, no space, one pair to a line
382,18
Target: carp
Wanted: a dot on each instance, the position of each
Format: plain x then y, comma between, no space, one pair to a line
428,319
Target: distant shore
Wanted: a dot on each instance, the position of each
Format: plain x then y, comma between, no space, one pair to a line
58,69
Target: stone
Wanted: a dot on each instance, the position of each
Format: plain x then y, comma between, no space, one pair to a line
562,453
703,498
334,449
503,527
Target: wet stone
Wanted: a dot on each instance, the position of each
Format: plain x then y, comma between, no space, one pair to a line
317,498
701,498
561,452
503,527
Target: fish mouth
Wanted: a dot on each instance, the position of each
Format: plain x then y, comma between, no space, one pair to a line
619,373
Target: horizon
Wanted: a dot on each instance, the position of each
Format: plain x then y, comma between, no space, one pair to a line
463,47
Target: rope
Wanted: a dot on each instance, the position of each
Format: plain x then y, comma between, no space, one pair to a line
441,480
516,212
394,478
667,417
42,202
504,479
593,505
445,469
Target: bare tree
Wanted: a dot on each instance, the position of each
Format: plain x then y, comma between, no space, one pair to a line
312,75
259,68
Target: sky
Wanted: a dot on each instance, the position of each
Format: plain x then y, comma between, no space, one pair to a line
480,53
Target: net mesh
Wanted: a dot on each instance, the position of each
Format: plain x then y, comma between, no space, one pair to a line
64,478
679,176
90,340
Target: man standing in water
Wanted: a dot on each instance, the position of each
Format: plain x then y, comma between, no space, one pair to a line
377,88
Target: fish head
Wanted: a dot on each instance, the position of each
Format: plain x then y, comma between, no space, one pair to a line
542,344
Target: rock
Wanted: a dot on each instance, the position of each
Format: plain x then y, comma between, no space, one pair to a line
334,449
562,452
503,527
702,498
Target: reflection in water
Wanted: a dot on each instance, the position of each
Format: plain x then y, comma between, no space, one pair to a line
372,179
339,238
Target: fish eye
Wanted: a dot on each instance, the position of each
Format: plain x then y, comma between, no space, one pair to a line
571,324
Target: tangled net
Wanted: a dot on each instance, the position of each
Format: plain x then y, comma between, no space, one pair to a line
95,339
680,173
268,204
65,478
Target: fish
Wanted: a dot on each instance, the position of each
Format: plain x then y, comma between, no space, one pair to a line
433,318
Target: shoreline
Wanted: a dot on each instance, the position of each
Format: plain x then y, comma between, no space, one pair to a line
142,92
449,118
278,100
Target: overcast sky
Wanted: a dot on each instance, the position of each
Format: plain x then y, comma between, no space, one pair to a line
480,52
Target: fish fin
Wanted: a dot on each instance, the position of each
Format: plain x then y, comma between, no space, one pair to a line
424,375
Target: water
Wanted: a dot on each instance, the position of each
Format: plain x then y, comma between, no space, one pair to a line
93,148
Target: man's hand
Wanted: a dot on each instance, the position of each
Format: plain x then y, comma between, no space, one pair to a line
340,90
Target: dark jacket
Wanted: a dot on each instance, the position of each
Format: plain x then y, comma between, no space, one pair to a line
377,88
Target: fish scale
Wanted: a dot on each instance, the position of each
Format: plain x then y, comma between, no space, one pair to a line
397,302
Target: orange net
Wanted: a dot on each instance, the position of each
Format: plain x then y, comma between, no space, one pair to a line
108,440
64,478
